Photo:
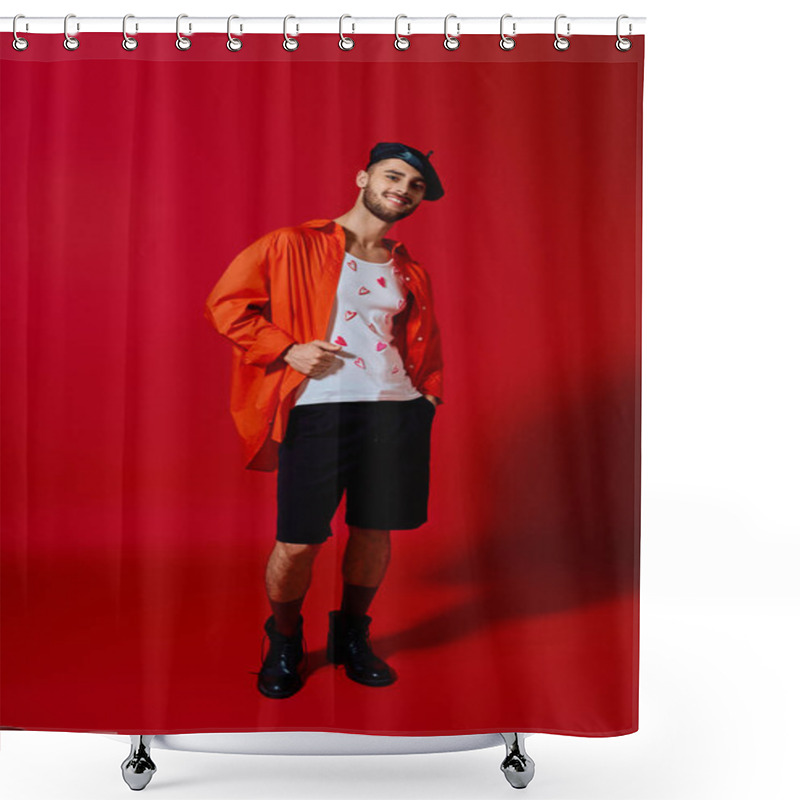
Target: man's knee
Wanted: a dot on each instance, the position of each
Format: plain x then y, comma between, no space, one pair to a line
299,552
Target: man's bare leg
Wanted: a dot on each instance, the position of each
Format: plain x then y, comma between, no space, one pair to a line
288,576
366,558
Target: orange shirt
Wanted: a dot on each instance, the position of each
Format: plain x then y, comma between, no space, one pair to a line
280,291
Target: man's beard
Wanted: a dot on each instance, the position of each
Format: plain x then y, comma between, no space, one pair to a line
377,205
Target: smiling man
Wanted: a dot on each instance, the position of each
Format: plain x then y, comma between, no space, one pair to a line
337,375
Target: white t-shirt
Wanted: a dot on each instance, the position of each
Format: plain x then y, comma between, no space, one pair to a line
369,366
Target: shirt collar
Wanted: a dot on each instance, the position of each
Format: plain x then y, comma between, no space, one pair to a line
332,227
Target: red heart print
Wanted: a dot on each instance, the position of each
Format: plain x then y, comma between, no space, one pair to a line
401,303
381,346
359,362
352,264
395,369
348,315
340,340
363,290
382,281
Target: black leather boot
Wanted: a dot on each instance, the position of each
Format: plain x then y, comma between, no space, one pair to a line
281,672
348,644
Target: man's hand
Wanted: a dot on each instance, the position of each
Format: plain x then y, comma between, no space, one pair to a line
432,398
312,358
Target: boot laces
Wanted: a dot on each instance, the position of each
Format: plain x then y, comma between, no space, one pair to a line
358,640
264,651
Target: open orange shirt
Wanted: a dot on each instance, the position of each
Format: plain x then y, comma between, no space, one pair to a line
280,291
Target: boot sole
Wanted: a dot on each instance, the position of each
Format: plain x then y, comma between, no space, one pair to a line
386,682
281,695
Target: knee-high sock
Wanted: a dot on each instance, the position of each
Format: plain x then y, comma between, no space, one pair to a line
356,599
287,615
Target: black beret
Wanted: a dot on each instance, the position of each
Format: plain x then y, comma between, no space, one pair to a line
414,157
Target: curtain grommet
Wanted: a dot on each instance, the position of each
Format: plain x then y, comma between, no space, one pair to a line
18,43
128,42
182,43
70,42
289,42
561,43
451,42
400,42
622,44
345,42
233,44
507,42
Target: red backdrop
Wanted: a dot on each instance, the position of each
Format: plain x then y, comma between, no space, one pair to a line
134,542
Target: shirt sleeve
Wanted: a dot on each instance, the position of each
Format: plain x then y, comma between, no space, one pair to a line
239,307
432,377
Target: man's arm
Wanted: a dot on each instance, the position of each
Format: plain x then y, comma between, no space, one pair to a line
239,306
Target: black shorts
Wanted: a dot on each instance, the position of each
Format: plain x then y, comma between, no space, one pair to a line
378,450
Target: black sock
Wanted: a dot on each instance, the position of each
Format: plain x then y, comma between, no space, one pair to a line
356,599
286,615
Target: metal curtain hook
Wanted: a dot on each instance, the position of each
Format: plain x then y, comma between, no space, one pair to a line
345,42
623,45
70,42
560,42
182,43
507,42
451,42
233,44
289,42
19,43
400,42
128,42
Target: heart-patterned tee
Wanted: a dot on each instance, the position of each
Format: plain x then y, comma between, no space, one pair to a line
368,366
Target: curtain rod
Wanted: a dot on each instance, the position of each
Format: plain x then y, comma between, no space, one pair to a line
406,26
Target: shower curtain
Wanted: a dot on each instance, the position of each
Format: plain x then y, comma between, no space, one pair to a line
169,227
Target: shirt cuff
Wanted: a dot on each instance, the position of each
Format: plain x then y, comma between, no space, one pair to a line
268,347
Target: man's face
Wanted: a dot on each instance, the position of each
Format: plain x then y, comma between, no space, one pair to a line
393,189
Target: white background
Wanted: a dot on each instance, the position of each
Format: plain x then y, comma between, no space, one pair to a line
720,400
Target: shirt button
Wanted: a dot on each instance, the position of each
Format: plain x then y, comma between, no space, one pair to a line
407,278
424,307
411,366
419,338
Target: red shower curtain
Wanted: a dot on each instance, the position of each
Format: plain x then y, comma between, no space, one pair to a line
134,540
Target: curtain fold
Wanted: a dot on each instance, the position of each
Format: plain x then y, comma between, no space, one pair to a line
134,541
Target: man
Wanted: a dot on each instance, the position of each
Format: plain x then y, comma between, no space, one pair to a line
336,377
